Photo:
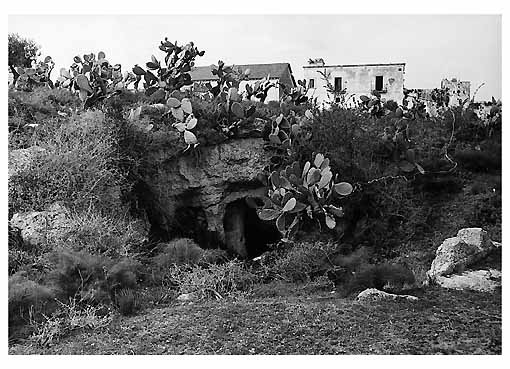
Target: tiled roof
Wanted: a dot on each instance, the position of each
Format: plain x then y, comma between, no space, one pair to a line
257,71
353,65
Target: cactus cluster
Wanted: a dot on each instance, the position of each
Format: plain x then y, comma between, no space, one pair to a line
373,105
228,77
260,89
182,111
296,95
287,125
180,108
35,76
297,192
94,79
397,143
162,77
231,112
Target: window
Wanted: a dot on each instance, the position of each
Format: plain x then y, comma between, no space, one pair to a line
378,83
338,83
311,83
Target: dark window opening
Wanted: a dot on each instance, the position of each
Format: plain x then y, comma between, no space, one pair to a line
378,83
245,233
311,83
338,83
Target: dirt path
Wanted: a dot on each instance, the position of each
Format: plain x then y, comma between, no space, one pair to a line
442,322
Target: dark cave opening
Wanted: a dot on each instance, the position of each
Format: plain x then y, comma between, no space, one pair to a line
245,233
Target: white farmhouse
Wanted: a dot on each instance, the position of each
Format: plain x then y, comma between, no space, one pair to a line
356,79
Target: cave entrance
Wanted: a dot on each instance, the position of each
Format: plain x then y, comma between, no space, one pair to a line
245,233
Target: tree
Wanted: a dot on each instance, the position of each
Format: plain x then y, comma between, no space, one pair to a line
22,52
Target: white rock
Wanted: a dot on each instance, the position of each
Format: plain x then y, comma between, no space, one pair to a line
374,295
477,280
21,159
37,227
186,297
456,253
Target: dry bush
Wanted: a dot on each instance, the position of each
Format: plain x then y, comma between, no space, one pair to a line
216,281
27,299
108,235
178,252
300,262
80,167
68,318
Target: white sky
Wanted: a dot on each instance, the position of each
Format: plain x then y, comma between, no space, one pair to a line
433,46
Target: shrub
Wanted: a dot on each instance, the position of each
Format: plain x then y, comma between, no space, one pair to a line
110,235
478,161
127,301
178,252
123,275
69,318
300,262
213,256
79,168
216,281
80,275
27,299
385,276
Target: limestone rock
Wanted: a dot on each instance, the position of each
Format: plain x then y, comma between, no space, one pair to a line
477,280
21,159
374,295
456,253
39,226
209,185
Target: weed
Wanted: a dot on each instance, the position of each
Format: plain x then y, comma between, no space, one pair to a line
68,318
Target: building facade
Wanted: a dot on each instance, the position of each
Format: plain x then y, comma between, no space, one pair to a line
280,73
459,91
355,79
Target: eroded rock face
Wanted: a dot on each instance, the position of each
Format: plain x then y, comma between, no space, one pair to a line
456,253
38,226
477,280
221,175
374,295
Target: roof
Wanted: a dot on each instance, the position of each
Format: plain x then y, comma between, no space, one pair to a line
257,71
355,65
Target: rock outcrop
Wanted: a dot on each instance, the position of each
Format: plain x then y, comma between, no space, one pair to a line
39,226
374,295
477,280
208,191
453,257
456,253
21,159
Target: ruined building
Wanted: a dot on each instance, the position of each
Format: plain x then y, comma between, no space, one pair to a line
458,90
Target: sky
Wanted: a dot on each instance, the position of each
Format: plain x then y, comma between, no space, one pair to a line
467,47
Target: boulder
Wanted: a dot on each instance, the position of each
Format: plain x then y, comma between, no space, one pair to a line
37,227
477,280
456,253
206,191
374,295
21,159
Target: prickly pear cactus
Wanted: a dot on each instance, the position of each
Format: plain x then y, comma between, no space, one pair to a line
295,193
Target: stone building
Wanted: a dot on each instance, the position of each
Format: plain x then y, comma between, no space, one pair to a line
356,79
277,72
458,90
